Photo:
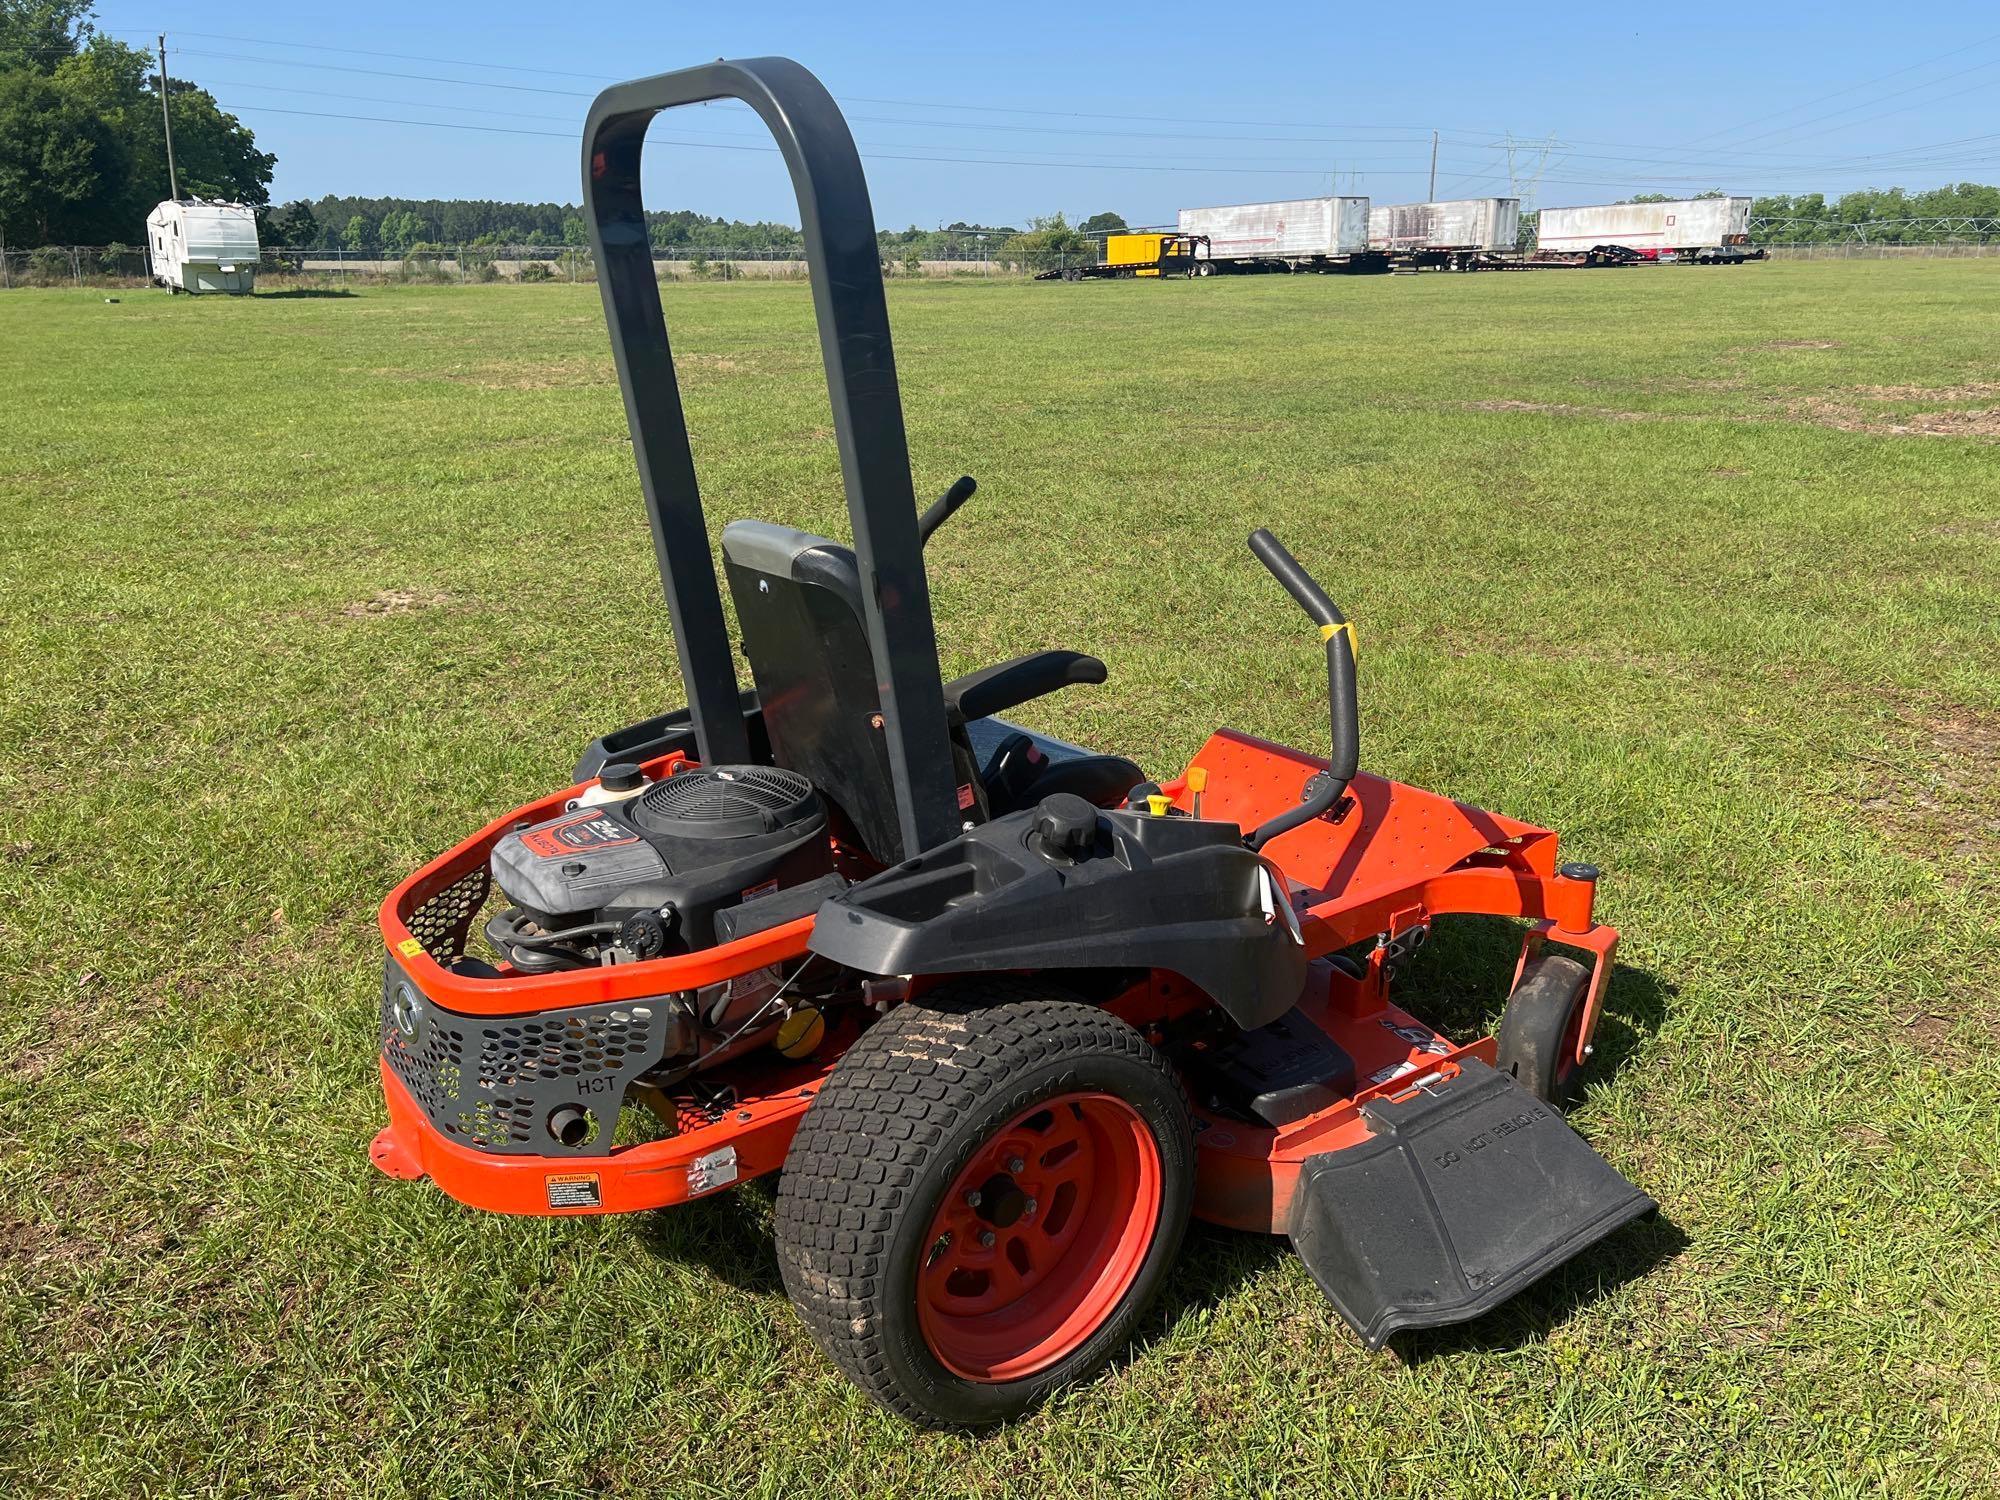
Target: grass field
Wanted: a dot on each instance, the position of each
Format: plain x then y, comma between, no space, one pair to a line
1701,568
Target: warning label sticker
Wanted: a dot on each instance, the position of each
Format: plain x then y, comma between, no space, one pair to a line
574,1190
577,836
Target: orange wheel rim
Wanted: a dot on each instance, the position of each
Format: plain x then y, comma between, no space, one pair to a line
1039,1237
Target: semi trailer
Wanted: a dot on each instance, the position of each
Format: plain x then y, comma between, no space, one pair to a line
1296,234
1713,231
1450,233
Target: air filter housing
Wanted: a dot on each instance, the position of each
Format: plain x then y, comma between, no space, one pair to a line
726,802
696,844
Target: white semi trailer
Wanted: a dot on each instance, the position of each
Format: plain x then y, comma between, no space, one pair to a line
1297,234
1692,228
195,245
1447,228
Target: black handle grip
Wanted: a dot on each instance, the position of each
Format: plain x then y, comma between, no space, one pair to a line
941,508
1297,581
1323,793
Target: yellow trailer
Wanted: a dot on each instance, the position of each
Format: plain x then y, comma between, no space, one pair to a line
1125,255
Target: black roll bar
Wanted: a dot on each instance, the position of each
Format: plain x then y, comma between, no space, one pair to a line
844,261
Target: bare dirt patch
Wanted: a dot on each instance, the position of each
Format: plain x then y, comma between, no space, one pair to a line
395,602
1844,415
1927,1030
1941,802
1976,391
546,375
1566,409
1979,424
1837,412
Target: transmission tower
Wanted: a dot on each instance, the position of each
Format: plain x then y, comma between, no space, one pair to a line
1526,161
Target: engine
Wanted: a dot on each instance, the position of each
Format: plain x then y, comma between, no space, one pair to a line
685,862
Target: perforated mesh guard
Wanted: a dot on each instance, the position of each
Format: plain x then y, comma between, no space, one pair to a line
489,1082
444,921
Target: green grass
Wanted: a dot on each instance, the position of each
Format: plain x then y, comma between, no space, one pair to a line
297,591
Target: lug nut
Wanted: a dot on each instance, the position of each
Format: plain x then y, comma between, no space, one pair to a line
986,1238
1015,1164
972,1199
1028,1209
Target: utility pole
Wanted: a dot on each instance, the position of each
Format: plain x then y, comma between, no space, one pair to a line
1431,196
167,117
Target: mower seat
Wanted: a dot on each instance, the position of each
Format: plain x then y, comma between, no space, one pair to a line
1023,768
799,605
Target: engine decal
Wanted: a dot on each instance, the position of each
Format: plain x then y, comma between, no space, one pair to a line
574,1190
578,836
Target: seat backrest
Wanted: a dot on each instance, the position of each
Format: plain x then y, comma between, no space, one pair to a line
798,604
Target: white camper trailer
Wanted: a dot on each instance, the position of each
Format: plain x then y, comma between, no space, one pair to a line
194,245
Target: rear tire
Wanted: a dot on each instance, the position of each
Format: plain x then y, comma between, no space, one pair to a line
1538,1029
983,1199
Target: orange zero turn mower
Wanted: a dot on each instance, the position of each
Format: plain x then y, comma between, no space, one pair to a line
1000,1011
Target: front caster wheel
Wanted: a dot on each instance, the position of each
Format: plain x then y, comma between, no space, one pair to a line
983,1199
1539,1029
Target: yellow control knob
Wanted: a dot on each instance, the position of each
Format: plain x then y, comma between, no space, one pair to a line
800,1033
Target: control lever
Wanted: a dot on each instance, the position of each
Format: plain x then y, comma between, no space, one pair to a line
1322,792
942,507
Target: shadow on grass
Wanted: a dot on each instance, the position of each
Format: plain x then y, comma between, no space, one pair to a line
729,1235
296,293
1530,1315
1458,984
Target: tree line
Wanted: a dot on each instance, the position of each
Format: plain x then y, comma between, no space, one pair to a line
404,226
83,155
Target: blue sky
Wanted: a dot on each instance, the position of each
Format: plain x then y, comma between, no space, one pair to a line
992,114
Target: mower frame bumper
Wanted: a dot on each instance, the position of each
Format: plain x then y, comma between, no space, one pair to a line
748,1141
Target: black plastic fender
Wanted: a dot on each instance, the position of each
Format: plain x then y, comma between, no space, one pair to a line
1067,886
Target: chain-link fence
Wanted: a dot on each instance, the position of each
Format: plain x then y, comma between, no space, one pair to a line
123,265
1941,233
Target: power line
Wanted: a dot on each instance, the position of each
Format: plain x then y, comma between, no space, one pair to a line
471,83
1182,120
1850,88
476,83
1247,164
1785,130
1907,158
455,62
963,161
